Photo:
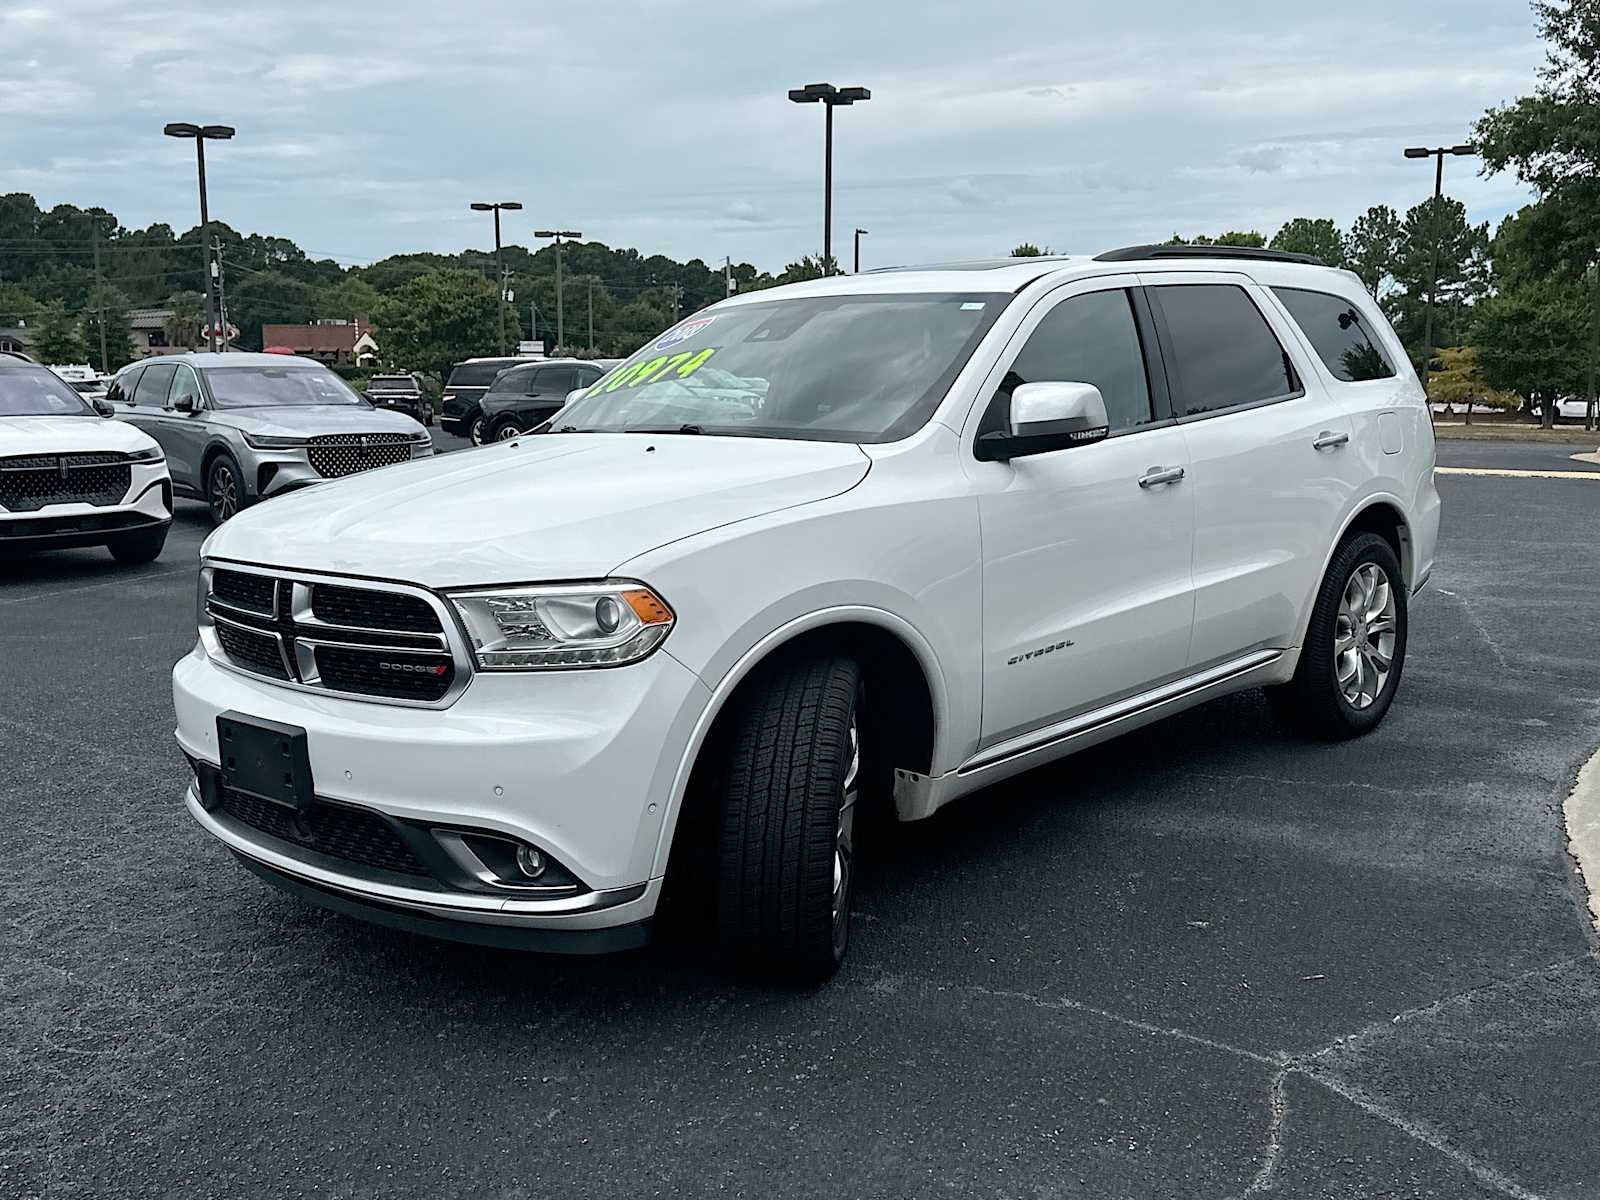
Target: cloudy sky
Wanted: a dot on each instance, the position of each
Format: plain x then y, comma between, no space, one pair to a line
366,130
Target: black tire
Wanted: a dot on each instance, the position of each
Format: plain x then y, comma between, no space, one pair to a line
787,764
223,474
139,546
478,431
1314,701
504,430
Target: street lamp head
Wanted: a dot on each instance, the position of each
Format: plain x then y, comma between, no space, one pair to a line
181,129
218,133
850,95
1465,148
863,232
813,92
478,206
1417,152
511,205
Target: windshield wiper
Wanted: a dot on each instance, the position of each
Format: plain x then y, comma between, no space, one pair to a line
690,428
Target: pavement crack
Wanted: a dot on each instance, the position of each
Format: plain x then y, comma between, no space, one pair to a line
1278,1105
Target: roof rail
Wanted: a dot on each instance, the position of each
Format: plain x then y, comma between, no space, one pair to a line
1184,250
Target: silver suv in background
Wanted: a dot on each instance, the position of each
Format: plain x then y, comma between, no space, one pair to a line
237,428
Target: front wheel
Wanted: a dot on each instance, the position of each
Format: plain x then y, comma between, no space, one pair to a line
139,546
785,847
224,488
504,431
1355,644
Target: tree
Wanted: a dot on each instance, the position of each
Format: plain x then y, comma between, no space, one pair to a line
1318,237
186,326
1232,238
1027,250
17,304
257,298
1372,249
350,297
1529,340
119,345
439,318
1458,381
57,336
1550,140
1438,226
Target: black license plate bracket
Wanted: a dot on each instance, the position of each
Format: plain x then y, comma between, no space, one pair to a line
265,759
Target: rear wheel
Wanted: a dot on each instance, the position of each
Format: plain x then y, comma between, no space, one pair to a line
139,546
1355,644
224,488
478,431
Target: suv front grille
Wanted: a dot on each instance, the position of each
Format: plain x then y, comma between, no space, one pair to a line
352,834
335,455
30,483
355,640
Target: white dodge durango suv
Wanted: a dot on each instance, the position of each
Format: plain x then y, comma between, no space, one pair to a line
871,540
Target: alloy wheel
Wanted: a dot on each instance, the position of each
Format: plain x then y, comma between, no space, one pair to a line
843,838
1364,636
476,431
507,432
224,491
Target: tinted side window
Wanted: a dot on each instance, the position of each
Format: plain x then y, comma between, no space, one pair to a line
1226,354
121,389
1338,333
153,385
1087,339
556,381
476,374
587,376
184,384
516,380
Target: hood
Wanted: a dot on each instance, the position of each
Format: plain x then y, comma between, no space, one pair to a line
552,506
58,435
308,420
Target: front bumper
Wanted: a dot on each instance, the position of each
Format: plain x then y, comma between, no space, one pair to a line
147,504
580,764
274,472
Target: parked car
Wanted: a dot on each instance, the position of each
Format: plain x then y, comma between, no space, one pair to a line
1572,408
458,408
868,541
70,478
238,428
401,393
84,379
522,398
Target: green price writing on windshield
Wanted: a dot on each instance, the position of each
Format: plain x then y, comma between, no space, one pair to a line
682,365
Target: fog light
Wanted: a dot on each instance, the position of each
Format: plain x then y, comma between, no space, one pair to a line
530,862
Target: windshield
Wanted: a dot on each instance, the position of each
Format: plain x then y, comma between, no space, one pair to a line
36,392
826,368
277,387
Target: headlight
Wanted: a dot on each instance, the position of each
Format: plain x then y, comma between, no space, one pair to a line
602,624
148,454
421,437
262,441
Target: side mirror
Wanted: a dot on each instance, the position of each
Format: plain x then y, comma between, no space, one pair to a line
183,404
103,406
575,394
1046,417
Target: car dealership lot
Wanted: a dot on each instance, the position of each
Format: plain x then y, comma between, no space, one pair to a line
1202,959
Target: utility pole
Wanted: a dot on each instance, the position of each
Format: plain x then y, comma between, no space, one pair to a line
221,334
727,272
1590,416
677,302
508,297
100,293
859,232
561,321
591,314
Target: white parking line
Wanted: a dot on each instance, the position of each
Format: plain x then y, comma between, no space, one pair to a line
1583,831
1516,474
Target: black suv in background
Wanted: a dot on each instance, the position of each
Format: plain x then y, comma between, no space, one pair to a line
469,380
402,393
522,398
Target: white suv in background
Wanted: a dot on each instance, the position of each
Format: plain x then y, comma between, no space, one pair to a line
878,539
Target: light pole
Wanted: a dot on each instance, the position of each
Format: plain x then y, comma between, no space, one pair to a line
561,321
828,96
1438,154
499,259
202,134
859,234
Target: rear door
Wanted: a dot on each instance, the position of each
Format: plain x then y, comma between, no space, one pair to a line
1269,453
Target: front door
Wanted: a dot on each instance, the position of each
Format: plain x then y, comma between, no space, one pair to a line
1087,592
149,411
185,430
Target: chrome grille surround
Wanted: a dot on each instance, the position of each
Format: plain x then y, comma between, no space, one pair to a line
299,631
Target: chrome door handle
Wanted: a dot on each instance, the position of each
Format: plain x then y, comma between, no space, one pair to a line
1328,440
1156,476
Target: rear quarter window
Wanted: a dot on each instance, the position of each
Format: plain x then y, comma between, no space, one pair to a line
475,374
1226,355
1339,332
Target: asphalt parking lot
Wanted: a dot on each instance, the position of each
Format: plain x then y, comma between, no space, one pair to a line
1206,960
